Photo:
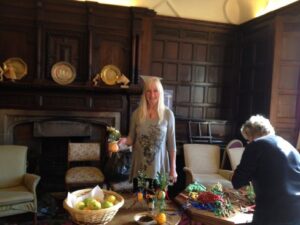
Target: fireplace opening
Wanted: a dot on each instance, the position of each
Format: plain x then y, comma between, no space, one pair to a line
53,161
47,138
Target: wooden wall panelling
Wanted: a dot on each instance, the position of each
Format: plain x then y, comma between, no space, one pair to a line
195,61
141,35
285,110
255,78
111,38
17,34
64,37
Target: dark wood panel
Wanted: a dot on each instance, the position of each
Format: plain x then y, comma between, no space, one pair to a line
13,99
64,102
69,47
198,61
19,43
109,102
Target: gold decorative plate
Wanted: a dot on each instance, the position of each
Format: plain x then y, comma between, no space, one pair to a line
63,73
14,68
110,74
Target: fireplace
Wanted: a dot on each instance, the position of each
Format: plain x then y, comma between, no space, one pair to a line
47,134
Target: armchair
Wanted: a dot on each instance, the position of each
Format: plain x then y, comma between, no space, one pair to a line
17,188
202,164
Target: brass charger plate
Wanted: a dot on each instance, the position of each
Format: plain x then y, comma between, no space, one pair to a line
63,73
110,74
14,68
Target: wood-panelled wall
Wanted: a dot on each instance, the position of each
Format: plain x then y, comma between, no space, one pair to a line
285,104
270,70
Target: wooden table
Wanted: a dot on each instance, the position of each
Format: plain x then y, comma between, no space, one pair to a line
208,218
125,215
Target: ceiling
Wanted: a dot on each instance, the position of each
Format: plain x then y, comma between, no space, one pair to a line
223,11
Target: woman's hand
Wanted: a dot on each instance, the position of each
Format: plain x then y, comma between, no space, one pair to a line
173,176
122,141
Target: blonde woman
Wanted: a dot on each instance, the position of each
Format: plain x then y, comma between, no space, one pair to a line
273,166
152,134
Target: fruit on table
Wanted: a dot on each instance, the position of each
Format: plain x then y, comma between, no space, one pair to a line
94,204
161,195
80,205
111,198
88,204
161,218
106,204
140,196
87,200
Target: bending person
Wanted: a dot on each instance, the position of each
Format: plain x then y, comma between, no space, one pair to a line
273,166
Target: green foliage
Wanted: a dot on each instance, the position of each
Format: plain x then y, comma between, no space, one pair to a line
113,134
141,179
195,187
162,180
250,193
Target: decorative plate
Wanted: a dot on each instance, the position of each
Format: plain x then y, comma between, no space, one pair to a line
63,73
14,68
110,74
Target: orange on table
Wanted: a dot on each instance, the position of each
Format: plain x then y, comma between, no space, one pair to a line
140,196
161,218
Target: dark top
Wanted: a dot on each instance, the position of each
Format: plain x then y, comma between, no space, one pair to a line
273,166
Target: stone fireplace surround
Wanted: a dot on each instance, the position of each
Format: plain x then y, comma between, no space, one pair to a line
46,133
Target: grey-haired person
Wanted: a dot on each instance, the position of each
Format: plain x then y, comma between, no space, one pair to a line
272,164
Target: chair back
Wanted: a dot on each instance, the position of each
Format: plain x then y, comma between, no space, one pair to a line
235,155
202,158
235,143
13,160
83,152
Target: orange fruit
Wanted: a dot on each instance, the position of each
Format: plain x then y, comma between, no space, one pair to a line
113,147
140,196
161,218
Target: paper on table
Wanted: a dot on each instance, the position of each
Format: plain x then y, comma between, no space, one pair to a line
96,193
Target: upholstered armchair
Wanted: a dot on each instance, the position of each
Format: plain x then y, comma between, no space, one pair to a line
202,164
17,188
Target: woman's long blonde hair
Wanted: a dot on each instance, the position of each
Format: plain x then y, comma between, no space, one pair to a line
142,109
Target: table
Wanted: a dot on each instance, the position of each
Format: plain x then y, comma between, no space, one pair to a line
208,218
126,213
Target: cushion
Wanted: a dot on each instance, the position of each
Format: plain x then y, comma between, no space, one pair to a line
15,195
84,175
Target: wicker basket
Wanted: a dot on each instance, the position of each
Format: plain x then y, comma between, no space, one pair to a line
93,217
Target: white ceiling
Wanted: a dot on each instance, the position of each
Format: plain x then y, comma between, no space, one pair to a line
223,11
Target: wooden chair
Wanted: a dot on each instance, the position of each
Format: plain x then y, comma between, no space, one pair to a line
201,132
84,166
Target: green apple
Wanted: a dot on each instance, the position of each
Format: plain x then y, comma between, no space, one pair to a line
87,200
106,204
94,204
80,205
